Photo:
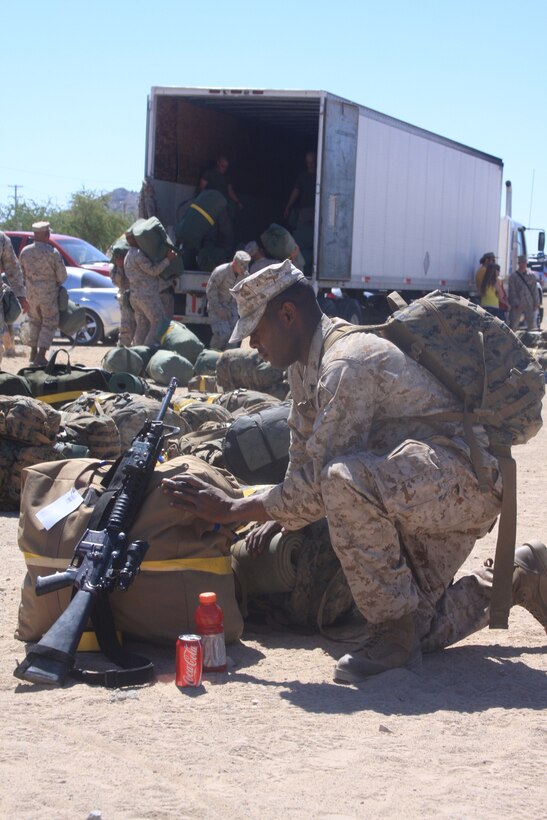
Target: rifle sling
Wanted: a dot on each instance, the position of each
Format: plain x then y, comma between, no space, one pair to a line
134,669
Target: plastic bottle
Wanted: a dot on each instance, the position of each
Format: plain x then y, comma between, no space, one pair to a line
209,620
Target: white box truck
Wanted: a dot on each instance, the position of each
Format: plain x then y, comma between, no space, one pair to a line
396,207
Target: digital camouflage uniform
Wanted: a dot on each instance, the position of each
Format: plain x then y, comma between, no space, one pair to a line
400,495
167,296
11,267
127,314
221,305
145,295
44,271
523,298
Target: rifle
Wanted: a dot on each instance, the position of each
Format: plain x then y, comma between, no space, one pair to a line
103,560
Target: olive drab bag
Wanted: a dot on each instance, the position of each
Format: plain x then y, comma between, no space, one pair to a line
185,555
499,383
256,445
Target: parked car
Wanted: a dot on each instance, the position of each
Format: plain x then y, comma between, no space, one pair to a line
99,297
75,252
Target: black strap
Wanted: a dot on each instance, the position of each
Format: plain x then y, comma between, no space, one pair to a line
133,669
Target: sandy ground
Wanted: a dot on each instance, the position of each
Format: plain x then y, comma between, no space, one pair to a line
466,738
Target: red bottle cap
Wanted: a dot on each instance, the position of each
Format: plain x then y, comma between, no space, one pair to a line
207,598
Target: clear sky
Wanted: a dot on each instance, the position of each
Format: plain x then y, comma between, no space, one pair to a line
77,75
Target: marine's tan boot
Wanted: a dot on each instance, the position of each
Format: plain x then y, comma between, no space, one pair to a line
530,580
394,644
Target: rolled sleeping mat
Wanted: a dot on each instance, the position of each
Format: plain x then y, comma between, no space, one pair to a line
127,383
274,570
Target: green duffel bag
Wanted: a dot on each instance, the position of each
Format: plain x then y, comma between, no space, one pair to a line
11,385
280,244
154,241
206,363
11,306
72,319
210,256
166,364
119,248
57,384
181,340
200,218
145,352
123,360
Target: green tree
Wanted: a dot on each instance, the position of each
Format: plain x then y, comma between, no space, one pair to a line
89,217
20,218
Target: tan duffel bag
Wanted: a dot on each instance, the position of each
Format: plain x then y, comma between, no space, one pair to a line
186,555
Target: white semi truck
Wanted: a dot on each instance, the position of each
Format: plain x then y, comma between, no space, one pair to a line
396,207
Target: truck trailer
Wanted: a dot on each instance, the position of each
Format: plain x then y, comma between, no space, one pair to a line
396,207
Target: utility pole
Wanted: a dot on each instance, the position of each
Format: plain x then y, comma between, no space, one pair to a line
15,189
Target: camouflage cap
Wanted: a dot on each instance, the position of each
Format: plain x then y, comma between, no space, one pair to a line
254,292
242,258
40,226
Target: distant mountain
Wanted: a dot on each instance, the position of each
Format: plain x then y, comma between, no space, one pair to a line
123,201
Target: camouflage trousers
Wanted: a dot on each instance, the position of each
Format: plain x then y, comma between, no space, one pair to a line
43,317
168,301
515,314
127,325
222,330
402,525
149,316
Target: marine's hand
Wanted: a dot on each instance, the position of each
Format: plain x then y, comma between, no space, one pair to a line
204,500
24,304
259,538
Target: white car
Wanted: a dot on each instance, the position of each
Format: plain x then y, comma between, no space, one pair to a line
99,297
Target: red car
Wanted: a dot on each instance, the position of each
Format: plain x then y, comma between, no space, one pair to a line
76,252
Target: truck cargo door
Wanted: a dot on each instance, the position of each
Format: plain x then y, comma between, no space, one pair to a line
338,161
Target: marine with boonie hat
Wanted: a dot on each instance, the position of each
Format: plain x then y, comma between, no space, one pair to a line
221,307
254,292
403,503
44,272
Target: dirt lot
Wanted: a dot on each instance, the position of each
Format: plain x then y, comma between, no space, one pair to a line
464,739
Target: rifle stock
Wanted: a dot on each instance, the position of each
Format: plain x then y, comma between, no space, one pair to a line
103,560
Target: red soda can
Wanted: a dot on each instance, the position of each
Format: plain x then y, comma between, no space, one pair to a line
189,662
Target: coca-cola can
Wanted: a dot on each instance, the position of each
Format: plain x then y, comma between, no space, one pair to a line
189,662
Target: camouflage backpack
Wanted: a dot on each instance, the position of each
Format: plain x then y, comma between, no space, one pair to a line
128,410
499,383
28,431
242,367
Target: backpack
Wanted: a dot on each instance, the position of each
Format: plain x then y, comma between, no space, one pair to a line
28,432
129,412
499,383
242,367
256,446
